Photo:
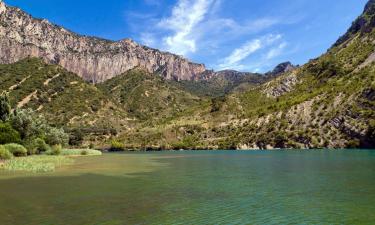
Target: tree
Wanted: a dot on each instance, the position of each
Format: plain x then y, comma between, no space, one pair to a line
8,134
76,137
24,121
31,126
280,139
56,136
5,108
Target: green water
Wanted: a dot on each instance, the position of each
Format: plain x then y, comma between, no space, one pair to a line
226,187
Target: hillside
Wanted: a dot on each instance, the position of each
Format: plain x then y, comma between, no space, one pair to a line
146,96
327,103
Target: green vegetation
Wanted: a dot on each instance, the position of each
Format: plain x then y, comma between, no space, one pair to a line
24,126
329,102
146,96
77,152
8,134
37,164
4,153
16,149
222,83
117,146
5,108
37,146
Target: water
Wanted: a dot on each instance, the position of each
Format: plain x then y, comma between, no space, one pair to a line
226,187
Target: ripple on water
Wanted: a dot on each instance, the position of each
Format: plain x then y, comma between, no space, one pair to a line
319,187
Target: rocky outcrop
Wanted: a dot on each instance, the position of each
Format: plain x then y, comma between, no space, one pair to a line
281,68
362,25
93,59
281,85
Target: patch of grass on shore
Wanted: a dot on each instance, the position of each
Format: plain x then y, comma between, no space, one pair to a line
77,152
37,164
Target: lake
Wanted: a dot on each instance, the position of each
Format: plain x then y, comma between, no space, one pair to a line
197,187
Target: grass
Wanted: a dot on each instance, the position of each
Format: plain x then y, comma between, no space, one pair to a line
77,152
37,164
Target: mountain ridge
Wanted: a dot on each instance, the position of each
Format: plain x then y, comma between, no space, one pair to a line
94,59
328,102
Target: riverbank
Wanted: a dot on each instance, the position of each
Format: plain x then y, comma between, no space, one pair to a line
46,163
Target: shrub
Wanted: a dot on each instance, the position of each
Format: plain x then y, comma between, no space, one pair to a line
91,146
16,149
24,121
4,153
76,152
8,134
55,136
280,139
5,108
31,125
76,137
37,164
55,150
37,146
41,145
117,146
84,152
353,144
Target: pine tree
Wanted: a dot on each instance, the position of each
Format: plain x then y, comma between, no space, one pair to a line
5,108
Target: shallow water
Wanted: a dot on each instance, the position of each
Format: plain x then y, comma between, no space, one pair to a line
224,187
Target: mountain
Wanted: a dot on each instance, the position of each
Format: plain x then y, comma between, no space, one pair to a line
327,103
281,68
93,59
220,83
362,25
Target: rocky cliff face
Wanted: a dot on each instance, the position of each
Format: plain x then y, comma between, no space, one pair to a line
282,68
362,25
94,59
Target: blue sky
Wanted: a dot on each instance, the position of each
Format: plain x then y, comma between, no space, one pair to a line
246,35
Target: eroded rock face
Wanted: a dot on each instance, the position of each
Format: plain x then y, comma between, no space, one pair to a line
281,68
281,85
93,59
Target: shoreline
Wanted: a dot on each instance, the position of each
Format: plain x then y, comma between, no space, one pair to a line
238,150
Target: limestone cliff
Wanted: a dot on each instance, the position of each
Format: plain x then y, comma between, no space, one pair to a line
94,59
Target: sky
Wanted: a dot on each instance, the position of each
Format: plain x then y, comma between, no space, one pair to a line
244,35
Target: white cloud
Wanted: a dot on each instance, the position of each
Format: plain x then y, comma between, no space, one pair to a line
234,59
274,52
202,29
186,15
148,39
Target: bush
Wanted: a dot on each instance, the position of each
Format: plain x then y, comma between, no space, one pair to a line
4,153
117,146
84,152
24,121
37,146
31,125
76,152
5,108
41,145
55,136
16,149
37,164
91,146
8,134
55,150
76,137
353,144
